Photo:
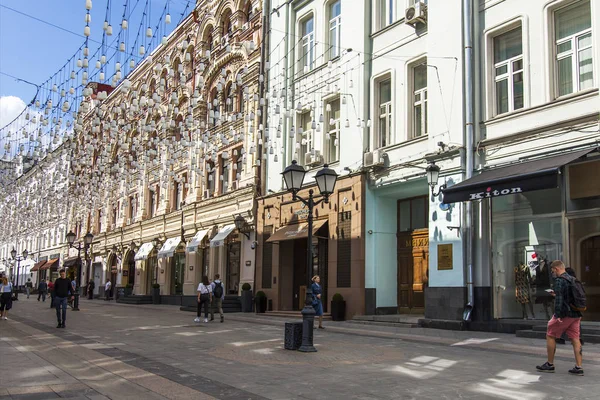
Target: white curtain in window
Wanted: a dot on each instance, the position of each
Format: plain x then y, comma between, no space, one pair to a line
570,20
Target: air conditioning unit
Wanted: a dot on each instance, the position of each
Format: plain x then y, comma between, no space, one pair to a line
417,13
313,159
373,159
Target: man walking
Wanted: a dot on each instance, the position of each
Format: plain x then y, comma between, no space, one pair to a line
62,291
51,290
42,290
218,297
566,319
107,290
28,287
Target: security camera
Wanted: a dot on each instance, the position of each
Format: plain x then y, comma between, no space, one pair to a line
253,245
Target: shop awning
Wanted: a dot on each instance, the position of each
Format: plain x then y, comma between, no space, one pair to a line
296,231
196,240
51,264
70,262
518,178
169,247
37,266
219,239
144,251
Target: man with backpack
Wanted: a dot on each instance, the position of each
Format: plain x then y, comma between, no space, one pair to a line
569,302
218,297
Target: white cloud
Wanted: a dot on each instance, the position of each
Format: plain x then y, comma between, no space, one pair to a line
10,107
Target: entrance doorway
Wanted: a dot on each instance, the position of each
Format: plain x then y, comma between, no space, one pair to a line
131,268
232,279
112,271
413,254
151,271
178,265
590,276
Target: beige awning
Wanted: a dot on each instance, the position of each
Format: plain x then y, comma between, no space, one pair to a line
297,231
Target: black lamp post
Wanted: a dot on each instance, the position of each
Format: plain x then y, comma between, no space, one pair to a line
326,178
87,241
18,259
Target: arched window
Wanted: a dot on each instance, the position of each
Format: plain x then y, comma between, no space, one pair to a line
226,24
248,11
240,100
230,99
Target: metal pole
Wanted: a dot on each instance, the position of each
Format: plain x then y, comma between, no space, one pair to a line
77,283
16,289
308,312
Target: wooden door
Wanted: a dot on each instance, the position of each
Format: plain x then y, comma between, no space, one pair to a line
413,261
590,276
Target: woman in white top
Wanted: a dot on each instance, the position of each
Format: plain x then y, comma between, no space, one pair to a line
5,297
204,298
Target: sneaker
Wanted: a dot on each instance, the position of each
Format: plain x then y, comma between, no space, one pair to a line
196,319
63,326
205,320
222,319
545,367
212,318
59,325
576,371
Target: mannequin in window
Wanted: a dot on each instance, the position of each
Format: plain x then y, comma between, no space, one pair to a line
543,281
523,289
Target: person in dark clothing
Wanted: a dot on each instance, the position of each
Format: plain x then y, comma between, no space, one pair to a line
42,290
90,289
62,291
51,291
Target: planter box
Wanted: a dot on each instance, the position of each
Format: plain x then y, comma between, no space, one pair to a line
261,304
338,310
128,291
246,300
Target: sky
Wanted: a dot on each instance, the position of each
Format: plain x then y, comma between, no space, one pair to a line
35,50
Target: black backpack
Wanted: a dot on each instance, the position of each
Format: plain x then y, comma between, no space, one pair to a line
218,291
577,300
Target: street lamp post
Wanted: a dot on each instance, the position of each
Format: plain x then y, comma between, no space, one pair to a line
87,241
326,178
18,259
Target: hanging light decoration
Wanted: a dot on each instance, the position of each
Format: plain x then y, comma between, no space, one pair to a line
109,30
88,5
86,31
142,50
149,32
122,47
124,25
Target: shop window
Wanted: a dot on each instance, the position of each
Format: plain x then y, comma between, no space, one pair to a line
335,28
384,122
267,258
526,238
413,214
419,115
508,71
574,52
178,265
344,249
332,131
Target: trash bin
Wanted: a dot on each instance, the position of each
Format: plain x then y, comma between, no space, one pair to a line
293,335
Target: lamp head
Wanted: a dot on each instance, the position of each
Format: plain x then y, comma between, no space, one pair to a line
70,238
25,253
433,174
13,253
293,177
88,238
326,179
239,222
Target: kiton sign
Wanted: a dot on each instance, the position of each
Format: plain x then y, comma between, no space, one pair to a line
489,192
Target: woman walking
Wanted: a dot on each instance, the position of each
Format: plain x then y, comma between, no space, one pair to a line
6,289
204,298
317,302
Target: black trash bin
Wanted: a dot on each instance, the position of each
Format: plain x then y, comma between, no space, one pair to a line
293,335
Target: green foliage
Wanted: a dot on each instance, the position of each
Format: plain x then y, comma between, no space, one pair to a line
156,286
260,293
246,286
337,297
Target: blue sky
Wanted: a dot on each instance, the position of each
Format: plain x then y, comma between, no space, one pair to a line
33,50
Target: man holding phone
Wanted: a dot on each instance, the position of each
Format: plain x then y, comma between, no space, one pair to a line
62,291
565,320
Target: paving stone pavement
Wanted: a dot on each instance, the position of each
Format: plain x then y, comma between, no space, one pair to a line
114,351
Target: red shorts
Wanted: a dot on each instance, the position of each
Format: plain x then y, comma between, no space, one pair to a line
571,326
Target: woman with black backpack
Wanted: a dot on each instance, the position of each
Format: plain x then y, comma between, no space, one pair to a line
204,298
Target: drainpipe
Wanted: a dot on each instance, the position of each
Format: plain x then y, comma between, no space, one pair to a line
469,155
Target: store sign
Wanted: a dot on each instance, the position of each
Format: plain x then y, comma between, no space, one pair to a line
494,193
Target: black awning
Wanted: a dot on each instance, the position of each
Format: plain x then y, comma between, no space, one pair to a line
518,178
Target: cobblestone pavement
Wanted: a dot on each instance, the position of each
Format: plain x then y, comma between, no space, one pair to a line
155,352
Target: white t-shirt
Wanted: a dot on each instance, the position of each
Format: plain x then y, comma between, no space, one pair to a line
108,284
204,289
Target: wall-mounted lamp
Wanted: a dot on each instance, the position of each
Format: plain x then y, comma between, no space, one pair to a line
191,267
240,224
162,271
253,245
433,174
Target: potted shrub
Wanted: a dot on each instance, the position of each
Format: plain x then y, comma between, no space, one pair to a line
338,307
156,293
246,298
128,289
261,302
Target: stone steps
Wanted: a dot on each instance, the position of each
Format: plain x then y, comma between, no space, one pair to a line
135,300
231,304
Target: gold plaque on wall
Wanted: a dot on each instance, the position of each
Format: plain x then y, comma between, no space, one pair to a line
444,256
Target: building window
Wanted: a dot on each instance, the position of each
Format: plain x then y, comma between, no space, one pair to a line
420,100
573,31
508,71
211,181
237,167
230,99
384,124
308,44
387,10
305,135
344,249
152,203
225,176
177,195
335,28
413,214
99,216
132,207
332,131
